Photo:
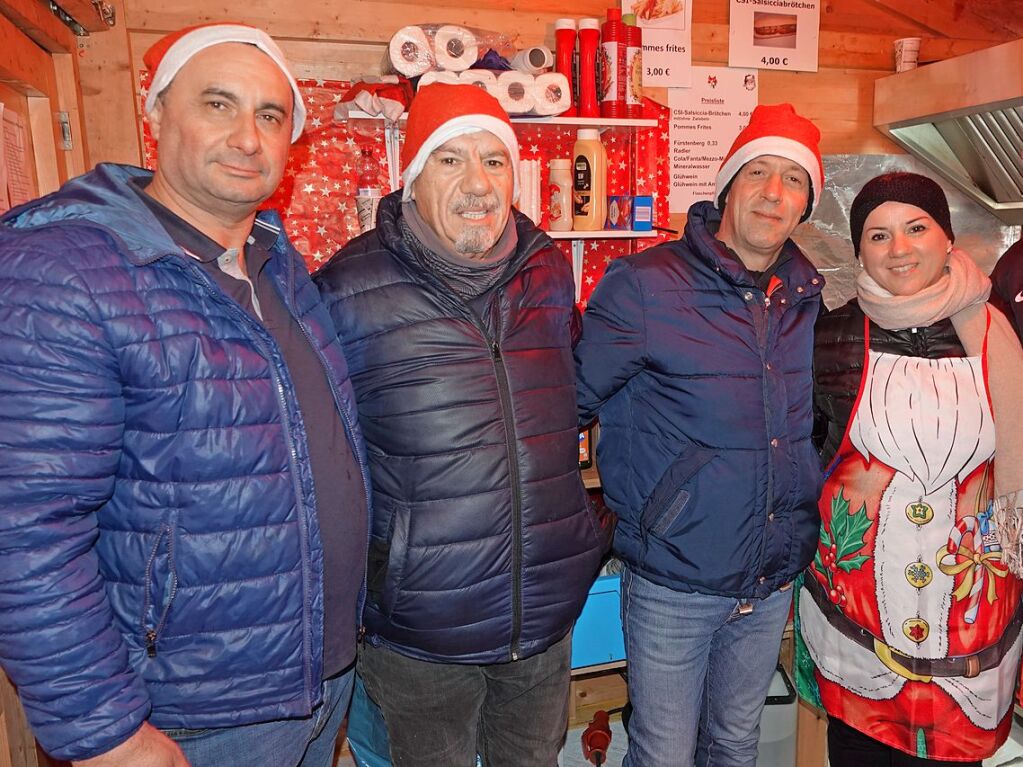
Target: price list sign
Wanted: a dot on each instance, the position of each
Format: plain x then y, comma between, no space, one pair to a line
667,41
705,119
774,34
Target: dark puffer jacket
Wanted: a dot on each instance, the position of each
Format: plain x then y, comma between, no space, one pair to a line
160,554
703,386
483,545
838,358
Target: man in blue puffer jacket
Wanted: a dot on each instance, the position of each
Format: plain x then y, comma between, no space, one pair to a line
456,317
697,356
184,493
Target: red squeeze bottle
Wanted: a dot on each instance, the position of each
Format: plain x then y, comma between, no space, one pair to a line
589,41
633,67
564,47
612,69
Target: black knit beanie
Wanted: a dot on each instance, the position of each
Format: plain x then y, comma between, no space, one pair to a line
909,188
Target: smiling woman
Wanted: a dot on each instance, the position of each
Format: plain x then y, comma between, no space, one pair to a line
909,613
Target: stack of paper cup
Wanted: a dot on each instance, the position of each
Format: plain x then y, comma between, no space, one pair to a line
366,203
906,52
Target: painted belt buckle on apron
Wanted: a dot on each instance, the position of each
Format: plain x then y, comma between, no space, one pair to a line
886,655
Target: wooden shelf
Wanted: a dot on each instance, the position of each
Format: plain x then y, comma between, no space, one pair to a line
603,234
579,122
587,122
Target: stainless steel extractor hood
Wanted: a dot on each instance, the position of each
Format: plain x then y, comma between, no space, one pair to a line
964,118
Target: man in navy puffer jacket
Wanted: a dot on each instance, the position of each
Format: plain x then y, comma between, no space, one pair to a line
183,499
455,314
697,356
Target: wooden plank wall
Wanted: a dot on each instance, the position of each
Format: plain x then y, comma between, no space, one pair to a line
333,40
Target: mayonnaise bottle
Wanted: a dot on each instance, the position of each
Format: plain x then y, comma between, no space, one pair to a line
589,181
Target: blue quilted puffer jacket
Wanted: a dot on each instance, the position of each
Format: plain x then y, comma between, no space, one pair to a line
159,550
704,390
483,545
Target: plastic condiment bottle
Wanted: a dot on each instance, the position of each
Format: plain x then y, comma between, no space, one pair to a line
589,41
633,67
560,199
612,71
589,181
564,53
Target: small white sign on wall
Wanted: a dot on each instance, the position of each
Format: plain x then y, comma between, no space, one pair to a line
774,34
667,40
705,119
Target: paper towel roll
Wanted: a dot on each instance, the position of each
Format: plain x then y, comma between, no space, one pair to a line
533,60
481,78
455,48
449,78
515,91
410,52
552,94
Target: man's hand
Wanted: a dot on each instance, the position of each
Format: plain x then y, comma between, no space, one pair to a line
146,748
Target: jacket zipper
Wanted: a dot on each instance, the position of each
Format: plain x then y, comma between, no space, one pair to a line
764,329
152,633
769,506
282,402
501,374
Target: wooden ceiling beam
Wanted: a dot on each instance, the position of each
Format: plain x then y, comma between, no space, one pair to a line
41,26
1001,13
944,18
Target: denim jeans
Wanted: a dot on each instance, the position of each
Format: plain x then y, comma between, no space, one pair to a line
699,672
305,742
513,714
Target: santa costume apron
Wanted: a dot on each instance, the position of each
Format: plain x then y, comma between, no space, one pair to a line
908,614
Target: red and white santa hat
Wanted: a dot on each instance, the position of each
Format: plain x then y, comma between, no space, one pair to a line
775,129
439,112
171,52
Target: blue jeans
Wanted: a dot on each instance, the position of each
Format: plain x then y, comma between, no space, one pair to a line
699,672
305,742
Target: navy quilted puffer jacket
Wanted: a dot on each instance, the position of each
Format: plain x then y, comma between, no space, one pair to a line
159,550
703,386
483,545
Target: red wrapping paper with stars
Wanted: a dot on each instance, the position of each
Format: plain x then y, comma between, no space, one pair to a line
317,196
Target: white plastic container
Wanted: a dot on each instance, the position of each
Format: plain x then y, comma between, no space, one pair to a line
560,196
778,724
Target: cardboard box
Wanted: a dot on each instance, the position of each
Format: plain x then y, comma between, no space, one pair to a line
630,212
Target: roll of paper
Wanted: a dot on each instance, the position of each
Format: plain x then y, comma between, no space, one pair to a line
410,52
449,78
515,91
533,60
455,48
481,78
552,94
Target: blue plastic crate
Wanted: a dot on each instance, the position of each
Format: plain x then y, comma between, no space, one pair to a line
598,635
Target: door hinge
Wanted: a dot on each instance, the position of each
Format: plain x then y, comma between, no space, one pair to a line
67,144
